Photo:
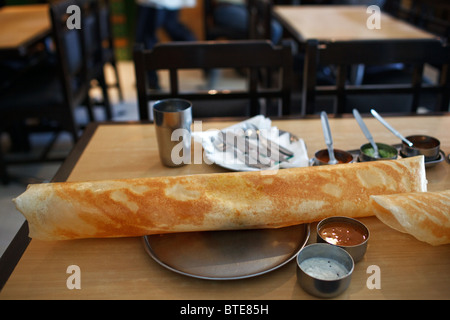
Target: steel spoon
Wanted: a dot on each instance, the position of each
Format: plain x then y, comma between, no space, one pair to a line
328,138
387,125
366,132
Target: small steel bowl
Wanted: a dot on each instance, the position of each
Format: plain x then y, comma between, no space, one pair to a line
321,157
422,145
357,251
324,270
383,150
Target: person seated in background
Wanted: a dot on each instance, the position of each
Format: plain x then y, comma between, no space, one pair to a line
233,14
155,14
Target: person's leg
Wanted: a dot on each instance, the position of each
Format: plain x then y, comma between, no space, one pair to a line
149,19
236,17
175,29
232,16
277,31
146,26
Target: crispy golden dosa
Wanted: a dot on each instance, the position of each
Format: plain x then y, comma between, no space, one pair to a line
225,201
425,215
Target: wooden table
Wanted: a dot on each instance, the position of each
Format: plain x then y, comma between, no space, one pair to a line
23,26
342,23
121,269
339,23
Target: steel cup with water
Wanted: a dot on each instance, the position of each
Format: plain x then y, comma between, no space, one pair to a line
173,119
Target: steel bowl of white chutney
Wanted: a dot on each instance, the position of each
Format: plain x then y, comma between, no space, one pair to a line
324,270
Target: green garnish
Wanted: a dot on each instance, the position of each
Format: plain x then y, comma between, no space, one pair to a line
384,153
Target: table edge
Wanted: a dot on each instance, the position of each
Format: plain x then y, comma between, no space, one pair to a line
297,36
13,253
69,163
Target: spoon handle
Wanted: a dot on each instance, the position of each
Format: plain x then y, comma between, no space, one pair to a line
366,131
327,135
326,128
387,125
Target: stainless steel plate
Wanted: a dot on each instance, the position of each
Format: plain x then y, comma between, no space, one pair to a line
227,255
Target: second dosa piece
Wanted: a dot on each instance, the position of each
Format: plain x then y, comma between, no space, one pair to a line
425,215
223,201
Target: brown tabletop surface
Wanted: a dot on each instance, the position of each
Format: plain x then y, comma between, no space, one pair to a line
22,25
121,269
339,23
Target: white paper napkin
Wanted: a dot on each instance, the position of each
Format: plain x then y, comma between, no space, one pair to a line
227,159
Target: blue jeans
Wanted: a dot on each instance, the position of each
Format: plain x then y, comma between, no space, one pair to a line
149,20
235,17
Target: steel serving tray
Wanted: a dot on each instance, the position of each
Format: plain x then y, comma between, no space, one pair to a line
227,255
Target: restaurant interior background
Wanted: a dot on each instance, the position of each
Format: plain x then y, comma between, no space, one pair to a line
123,18
123,13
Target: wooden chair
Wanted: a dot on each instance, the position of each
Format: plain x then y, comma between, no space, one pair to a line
108,47
253,55
49,95
260,19
93,51
341,55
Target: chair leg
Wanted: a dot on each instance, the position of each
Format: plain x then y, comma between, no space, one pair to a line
105,93
90,108
212,77
444,96
118,86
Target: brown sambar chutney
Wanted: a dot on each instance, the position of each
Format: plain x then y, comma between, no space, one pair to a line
342,234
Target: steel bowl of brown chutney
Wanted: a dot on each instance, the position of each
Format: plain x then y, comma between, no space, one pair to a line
422,145
347,233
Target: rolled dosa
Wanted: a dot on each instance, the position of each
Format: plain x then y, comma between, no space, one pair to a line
424,215
223,201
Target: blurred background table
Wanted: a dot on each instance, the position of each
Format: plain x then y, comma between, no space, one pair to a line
22,27
341,23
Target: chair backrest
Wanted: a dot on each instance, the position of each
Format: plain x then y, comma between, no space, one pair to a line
204,55
342,54
70,52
